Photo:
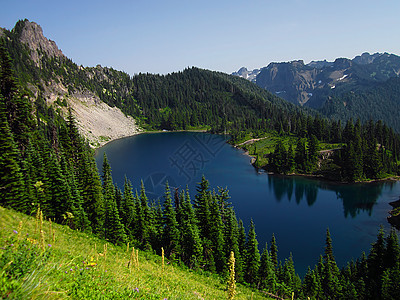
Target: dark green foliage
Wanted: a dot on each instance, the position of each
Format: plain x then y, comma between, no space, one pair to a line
266,272
192,249
274,251
252,262
113,228
171,234
11,179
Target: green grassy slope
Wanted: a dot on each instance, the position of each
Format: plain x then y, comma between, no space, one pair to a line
77,265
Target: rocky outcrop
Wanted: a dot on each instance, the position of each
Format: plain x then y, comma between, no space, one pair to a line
247,74
31,34
314,83
293,81
97,121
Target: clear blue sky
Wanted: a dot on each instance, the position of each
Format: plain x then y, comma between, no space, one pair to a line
163,36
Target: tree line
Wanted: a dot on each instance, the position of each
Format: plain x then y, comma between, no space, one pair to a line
368,151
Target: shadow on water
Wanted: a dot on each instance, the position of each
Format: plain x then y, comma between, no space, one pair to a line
356,198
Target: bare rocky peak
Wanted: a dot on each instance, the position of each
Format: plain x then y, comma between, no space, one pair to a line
31,34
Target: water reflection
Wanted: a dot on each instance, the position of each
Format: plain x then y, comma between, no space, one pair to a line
356,198
282,185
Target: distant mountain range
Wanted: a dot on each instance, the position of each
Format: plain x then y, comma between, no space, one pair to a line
341,89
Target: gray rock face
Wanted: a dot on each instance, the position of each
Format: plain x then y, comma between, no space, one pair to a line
311,84
293,81
247,74
32,35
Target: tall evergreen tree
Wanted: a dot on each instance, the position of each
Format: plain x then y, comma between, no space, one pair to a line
113,228
266,272
171,230
128,209
253,256
192,249
216,230
11,178
274,251
331,286
375,263
242,250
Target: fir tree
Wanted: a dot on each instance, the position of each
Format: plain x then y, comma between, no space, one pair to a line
128,214
113,228
331,286
312,285
216,231
253,256
171,230
11,178
266,272
242,251
192,249
274,252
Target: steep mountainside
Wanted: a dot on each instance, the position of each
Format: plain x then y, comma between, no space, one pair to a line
247,74
41,68
321,83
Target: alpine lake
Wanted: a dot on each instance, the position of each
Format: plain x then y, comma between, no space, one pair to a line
297,210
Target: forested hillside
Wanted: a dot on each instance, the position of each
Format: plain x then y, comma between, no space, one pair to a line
380,101
47,166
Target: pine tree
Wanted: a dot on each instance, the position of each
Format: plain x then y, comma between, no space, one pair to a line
289,276
279,158
253,256
171,231
216,231
231,238
143,218
242,251
313,149
17,108
192,249
266,272
90,188
375,263
331,286
312,285
392,253
202,207
128,208
60,205
113,228
301,156
11,178
274,252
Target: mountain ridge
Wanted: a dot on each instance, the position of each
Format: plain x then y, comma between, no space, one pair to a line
318,84
297,81
96,120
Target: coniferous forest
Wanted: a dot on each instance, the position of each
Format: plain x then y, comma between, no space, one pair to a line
46,163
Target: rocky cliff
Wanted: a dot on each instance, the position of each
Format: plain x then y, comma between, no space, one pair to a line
31,34
312,84
54,82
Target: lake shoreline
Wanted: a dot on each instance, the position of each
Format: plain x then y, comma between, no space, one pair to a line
145,132
314,177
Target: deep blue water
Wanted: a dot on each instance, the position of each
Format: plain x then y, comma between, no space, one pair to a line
296,209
